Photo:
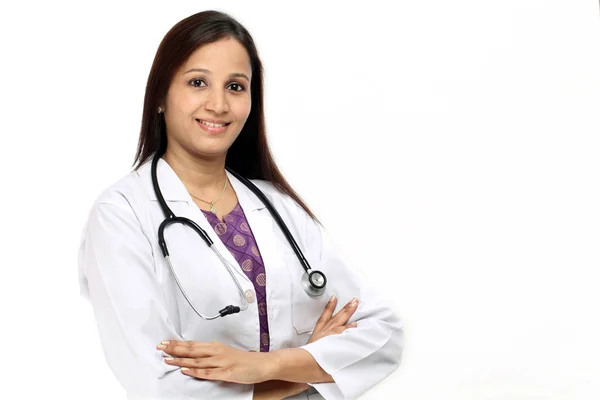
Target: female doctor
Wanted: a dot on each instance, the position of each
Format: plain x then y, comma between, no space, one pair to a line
231,313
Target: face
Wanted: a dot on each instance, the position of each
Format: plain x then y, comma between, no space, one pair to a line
209,100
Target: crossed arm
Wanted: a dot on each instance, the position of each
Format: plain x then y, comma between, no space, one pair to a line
116,259
275,375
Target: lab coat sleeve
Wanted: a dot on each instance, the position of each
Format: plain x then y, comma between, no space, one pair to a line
116,265
360,357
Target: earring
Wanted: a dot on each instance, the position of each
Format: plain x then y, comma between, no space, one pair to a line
160,110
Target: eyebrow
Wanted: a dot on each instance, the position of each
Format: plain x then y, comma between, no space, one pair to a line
232,75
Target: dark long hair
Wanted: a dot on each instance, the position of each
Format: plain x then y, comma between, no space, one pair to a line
249,155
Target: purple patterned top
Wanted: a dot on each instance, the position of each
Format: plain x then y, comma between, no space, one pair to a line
236,235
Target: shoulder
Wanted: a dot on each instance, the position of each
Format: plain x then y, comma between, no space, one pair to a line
120,209
309,233
267,187
274,194
126,193
118,192
283,202
122,192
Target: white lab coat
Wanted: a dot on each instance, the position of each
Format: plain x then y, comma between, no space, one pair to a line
137,303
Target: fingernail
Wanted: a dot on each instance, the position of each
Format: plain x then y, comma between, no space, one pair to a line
169,359
354,302
161,347
165,342
185,369
332,299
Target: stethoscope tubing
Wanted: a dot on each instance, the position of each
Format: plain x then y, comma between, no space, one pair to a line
276,216
312,289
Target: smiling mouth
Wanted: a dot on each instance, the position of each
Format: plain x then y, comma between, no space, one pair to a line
212,124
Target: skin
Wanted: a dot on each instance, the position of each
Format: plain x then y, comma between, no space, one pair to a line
276,374
220,91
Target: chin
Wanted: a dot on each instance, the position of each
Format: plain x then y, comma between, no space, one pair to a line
209,151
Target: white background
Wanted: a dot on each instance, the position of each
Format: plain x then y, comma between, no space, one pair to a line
450,147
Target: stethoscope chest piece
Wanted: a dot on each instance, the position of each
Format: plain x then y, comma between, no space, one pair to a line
314,283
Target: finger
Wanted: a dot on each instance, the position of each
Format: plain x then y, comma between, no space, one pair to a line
207,362
170,343
214,374
342,316
189,349
342,328
327,313
350,326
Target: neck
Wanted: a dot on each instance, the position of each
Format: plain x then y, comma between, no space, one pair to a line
201,177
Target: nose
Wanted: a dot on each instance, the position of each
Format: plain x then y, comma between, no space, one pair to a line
216,101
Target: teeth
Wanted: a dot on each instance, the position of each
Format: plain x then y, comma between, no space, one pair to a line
211,124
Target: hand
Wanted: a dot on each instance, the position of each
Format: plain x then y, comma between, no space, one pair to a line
328,325
216,361
277,390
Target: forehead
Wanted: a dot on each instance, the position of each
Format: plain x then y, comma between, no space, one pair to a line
222,57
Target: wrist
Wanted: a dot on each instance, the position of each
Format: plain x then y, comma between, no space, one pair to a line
272,365
297,365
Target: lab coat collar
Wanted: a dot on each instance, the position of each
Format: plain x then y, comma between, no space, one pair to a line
173,189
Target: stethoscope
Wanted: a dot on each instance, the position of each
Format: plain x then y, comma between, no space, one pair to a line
313,282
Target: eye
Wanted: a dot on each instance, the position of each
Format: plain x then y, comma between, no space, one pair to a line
196,80
236,87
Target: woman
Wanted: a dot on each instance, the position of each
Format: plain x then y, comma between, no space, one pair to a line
203,112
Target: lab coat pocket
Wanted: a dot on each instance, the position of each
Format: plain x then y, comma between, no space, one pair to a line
306,310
